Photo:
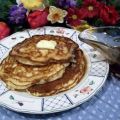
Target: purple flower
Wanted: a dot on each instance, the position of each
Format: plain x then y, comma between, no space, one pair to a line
66,3
17,14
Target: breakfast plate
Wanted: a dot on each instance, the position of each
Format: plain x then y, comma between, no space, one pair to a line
93,80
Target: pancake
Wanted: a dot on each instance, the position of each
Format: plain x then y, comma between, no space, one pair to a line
14,84
22,75
29,53
72,76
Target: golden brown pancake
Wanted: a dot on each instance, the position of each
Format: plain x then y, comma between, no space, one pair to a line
72,76
43,71
28,53
14,84
13,72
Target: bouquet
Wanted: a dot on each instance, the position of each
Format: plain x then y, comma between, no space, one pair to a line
17,15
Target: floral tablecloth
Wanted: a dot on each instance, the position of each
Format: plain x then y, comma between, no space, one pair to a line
105,105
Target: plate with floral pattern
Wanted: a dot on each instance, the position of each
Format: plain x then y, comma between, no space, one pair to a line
91,83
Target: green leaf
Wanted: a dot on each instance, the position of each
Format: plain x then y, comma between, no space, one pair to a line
112,2
115,3
98,22
4,8
51,2
79,2
11,97
21,27
13,1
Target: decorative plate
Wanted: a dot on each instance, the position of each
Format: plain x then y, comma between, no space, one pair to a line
93,80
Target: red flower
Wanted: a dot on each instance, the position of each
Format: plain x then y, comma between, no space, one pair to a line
73,17
89,9
4,30
109,15
38,18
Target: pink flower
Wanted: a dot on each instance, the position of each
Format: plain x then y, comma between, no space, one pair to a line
4,30
37,18
86,90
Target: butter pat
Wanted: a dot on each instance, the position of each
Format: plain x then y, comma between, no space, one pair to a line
45,44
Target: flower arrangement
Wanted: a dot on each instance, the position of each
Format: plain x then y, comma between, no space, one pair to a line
17,15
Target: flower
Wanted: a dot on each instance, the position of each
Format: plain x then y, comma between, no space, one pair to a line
89,9
60,31
84,25
74,20
32,4
56,15
4,30
38,18
73,17
86,90
109,15
66,3
17,14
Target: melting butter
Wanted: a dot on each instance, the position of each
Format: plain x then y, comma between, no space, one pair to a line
45,44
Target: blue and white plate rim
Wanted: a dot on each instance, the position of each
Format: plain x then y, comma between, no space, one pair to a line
61,31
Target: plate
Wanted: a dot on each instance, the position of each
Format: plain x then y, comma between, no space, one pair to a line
93,80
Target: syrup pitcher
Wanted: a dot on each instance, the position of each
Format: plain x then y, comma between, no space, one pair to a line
106,40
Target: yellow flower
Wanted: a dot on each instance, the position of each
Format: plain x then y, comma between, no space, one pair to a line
56,15
82,26
32,4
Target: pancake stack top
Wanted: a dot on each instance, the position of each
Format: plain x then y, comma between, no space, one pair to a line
43,65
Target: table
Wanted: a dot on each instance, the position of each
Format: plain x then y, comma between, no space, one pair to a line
105,105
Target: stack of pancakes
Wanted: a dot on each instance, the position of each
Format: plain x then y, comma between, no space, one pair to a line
43,70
